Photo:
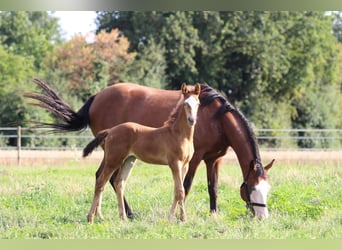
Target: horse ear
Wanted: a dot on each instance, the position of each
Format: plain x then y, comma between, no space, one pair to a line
184,88
197,89
269,165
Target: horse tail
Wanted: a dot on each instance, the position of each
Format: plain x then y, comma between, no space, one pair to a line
69,120
94,143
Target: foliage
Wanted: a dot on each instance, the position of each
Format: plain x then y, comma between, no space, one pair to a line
82,69
30,34
337,27
25,39
267,63
282,69
149,66
11,85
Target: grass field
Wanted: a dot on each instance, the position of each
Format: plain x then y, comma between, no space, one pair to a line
52,201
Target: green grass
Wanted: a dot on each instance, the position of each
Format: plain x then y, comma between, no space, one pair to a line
52,201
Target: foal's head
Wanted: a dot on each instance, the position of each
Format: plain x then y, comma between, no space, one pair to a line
191,103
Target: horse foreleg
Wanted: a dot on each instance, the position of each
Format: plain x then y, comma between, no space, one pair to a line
213,167
102,178
179,194
193,165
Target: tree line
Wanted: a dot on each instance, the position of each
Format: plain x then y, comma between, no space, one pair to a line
281,69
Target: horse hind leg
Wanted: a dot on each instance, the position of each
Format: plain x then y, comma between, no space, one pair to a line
120,182
129,212
98,207
103,176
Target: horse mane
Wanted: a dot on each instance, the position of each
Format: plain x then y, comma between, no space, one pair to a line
208,94
175,112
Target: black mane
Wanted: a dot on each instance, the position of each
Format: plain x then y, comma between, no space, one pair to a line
208,94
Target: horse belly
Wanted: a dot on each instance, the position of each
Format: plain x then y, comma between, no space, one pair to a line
149,152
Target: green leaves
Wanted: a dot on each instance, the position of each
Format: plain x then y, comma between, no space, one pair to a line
25,39
282,69
262,60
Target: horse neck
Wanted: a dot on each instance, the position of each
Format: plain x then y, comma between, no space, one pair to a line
180,125
239,138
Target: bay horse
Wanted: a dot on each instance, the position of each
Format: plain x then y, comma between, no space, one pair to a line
219,126
170,144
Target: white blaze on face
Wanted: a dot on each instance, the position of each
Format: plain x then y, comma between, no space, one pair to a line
191,109
259,195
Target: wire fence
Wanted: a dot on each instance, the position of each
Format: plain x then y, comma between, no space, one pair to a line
20,139
45,139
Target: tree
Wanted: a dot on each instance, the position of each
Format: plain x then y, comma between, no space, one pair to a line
149,66
143,30
337,25
30,34
25,39
82,69
279,68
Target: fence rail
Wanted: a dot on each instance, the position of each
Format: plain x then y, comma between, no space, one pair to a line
19,138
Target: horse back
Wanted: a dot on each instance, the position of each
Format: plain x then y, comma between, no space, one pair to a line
128,102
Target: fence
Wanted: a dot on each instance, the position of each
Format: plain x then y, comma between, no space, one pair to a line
18,139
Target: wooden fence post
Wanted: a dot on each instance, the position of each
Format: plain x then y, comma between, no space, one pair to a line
19,145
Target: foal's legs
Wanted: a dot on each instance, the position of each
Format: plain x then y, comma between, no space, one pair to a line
128,209
120,182
98,207
102,178
179,193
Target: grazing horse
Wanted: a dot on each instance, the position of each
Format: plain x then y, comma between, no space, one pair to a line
219,126
171,144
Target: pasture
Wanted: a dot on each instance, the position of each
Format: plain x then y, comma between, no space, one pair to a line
51,201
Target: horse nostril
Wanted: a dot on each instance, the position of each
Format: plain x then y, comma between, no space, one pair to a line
191,121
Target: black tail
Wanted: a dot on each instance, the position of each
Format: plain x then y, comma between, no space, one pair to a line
94,143
69,119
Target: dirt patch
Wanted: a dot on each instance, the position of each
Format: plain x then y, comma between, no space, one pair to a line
30,157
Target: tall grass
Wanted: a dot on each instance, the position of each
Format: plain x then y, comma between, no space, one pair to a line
52,201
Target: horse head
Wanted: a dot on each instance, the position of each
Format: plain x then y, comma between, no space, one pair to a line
255,188
191,102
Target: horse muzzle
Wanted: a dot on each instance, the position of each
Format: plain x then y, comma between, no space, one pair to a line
261,212
191,121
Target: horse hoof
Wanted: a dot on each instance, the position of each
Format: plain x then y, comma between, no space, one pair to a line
90,219
100,216
130,216
183,218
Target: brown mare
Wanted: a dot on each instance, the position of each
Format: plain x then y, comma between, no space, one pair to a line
171,144
219,126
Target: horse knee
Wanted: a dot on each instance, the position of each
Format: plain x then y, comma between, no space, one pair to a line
180,195
99,188
118,184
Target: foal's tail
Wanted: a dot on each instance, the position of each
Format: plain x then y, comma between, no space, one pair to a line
69,120
94,143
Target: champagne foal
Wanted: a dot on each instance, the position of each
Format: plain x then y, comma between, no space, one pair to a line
171,144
